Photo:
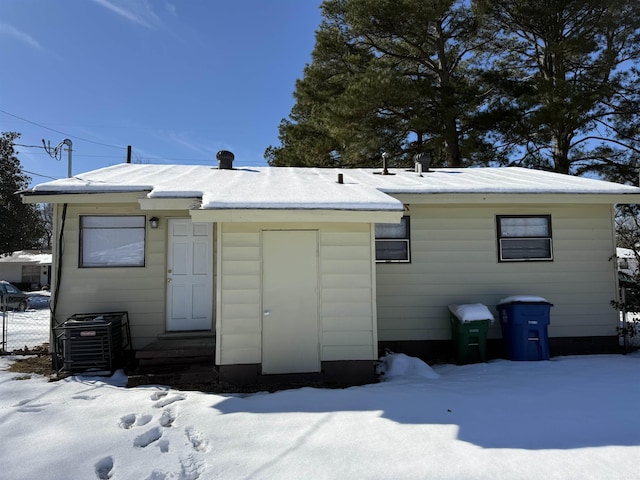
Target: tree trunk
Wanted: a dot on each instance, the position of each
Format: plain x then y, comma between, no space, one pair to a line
450,122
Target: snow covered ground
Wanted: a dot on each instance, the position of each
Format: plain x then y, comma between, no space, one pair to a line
567,418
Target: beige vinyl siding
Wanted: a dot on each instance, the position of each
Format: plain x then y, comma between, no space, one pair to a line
141,291
454,260
347,294
346,297
239,295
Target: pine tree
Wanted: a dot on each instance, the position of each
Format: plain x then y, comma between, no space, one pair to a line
20,226
387,76
567,75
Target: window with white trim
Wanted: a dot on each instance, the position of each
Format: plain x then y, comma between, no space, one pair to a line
392,241
112,241
524,238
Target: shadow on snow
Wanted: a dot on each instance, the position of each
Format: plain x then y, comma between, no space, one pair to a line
565,403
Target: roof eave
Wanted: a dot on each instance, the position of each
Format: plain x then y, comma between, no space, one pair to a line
111,196
256,215
586,198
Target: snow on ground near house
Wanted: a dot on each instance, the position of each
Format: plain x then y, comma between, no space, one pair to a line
567,418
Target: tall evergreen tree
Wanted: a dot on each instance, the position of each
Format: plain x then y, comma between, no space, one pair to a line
387,76
566,71
20,225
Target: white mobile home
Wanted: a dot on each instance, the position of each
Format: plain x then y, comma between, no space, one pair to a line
302,270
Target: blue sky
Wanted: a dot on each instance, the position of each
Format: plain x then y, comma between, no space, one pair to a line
176,80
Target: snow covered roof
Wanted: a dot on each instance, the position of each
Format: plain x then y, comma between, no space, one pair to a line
491,180
625,253
318,188
28,256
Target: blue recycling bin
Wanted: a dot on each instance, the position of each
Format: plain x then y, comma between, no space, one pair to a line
524,326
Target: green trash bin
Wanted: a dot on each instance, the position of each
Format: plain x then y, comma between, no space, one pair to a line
469,327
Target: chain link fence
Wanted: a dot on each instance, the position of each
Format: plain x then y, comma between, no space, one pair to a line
629,320
629,330
26,332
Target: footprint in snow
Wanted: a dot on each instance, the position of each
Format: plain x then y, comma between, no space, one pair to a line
158,395
131,420
168,401
197,440
27,406
163,445
167,418
104,468
191,469
157,475
147,438
128,421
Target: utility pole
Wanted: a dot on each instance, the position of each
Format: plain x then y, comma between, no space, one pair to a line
56,152
68,143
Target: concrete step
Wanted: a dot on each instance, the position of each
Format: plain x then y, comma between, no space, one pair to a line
178,348
175,361
174,375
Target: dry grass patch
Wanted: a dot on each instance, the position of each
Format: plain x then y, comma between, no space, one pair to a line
37,364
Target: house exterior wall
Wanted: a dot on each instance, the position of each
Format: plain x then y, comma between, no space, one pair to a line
141,291
346,296
11,272
347,315
454,260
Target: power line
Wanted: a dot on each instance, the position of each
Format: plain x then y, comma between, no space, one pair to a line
61,133
28,146
82,155
39,175
139,158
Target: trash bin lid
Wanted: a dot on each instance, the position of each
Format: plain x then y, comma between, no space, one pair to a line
471,312
523,299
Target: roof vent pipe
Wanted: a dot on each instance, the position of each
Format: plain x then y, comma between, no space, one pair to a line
225,160
423,160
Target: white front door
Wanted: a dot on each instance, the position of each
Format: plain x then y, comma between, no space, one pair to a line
290,338
189,275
